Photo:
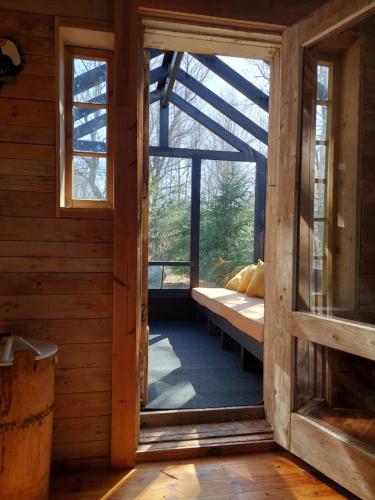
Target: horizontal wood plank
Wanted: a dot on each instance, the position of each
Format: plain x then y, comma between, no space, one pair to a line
22,166
36,46
85,355
57,265
27,113
53,249
62,331
14,307
31,87
27,134
81,430
101,10
27,183
34,152
26,23
77,380
56,283
63,230
83,404
68,451
25,203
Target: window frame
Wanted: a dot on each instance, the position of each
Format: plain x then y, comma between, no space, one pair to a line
72,52
321,301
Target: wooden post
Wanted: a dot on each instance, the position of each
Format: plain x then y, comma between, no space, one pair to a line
128,110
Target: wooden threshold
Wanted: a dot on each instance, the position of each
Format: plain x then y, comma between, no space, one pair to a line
201,416
204,439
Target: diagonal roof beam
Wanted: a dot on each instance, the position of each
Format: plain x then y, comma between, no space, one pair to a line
154,96
214,127
235,80
158,74
155,53
222,106
171,78
165,65
89,79
90,126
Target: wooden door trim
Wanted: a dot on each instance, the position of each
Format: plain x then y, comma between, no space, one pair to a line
128,159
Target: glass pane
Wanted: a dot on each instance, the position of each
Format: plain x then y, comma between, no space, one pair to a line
317,276
89,81
155,277
176,277
321,123
320,161
169,209
319,200
323,80
90,130
227,220
319,248
89,178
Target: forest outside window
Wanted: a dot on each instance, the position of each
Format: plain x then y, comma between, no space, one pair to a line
88,138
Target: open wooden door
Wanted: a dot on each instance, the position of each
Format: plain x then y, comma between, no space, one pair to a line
320,247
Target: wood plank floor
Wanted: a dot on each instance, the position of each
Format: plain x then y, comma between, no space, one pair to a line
207,439
255,476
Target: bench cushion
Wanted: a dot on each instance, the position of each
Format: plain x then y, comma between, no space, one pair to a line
243,312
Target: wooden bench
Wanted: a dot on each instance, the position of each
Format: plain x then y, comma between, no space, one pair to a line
236,317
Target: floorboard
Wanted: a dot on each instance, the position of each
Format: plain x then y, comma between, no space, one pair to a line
255,476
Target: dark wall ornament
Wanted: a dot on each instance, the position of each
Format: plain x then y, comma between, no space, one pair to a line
11,60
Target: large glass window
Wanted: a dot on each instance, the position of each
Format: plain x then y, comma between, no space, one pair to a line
227,220
169,223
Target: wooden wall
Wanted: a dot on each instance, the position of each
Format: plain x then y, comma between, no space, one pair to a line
367,227
278,12
55,273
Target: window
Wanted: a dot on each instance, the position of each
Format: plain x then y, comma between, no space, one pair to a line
88,172
321,216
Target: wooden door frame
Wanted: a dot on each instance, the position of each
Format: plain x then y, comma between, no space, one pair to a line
291,430
128,161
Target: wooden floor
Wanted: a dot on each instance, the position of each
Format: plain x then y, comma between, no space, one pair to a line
255,476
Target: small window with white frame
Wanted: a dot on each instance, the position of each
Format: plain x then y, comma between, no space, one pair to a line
88,176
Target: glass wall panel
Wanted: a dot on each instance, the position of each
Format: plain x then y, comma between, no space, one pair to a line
227,220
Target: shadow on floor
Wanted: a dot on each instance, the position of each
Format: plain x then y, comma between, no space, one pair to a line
189,369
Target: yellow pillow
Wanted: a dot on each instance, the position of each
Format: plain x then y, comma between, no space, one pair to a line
234,283
256,286
249,272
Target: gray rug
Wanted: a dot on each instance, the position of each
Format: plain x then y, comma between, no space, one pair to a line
189,369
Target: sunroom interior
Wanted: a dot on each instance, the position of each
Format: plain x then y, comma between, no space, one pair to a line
208,135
